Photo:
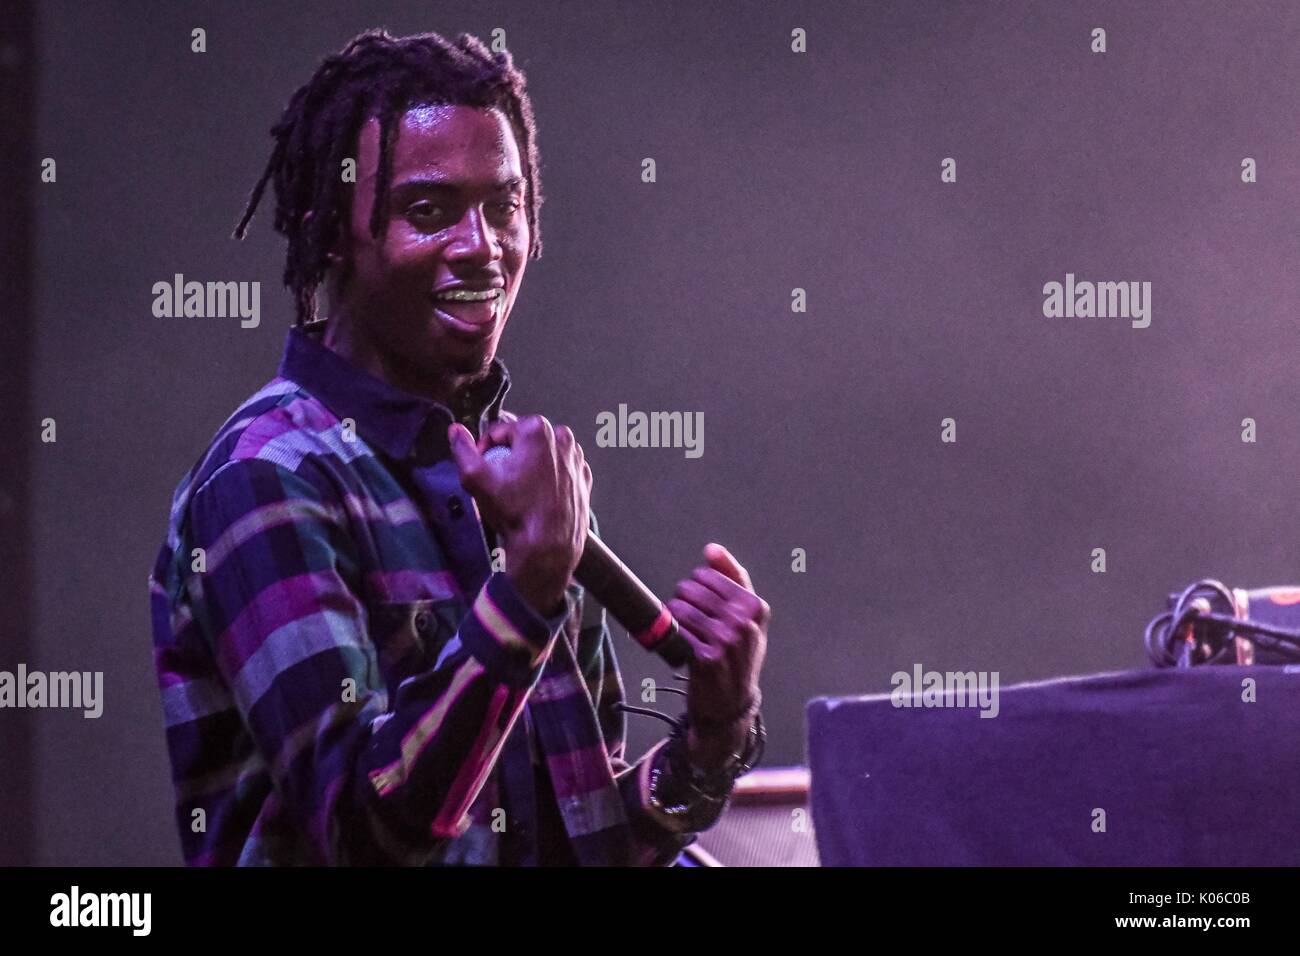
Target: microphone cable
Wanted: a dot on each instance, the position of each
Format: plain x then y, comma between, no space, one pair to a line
647,712
1214,632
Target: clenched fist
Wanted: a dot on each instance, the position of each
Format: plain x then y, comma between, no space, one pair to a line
726,623
537,499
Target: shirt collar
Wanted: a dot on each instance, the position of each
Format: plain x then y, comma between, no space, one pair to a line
396,422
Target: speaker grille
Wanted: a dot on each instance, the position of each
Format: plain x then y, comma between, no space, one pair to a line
767,823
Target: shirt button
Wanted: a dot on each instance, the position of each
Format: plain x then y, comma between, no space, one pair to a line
455,506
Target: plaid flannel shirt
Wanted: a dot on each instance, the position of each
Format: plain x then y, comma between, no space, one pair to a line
346,680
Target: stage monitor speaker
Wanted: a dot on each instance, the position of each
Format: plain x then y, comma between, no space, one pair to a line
1169,767
767,823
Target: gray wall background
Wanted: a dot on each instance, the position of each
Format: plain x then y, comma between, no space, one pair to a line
776,171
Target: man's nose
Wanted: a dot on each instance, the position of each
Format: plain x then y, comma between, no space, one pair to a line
474,238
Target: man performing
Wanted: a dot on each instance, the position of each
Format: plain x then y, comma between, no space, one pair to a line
346,678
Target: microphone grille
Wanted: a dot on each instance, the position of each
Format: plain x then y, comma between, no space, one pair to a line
496,452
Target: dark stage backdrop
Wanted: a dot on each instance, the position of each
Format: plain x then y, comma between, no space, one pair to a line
775,171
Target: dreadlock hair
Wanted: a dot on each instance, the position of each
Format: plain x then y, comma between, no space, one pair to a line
379,75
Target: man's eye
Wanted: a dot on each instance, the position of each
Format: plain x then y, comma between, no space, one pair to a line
424,208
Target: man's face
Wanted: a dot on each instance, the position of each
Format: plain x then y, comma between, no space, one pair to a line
456,204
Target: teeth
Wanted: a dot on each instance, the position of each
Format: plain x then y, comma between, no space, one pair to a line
466,295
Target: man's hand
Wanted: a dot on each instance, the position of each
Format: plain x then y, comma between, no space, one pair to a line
726,624
537,500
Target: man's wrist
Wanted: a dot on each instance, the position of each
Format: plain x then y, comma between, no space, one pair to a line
713,749
696,793
544,599
690,798
713,743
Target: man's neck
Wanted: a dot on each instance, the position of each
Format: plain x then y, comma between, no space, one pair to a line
450,388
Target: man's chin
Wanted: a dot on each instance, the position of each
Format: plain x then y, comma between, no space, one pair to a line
428,367
455,362
461,358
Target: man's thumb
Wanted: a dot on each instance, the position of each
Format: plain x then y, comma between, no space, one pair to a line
724,561
463,449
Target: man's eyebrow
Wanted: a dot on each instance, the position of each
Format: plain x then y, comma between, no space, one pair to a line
449,186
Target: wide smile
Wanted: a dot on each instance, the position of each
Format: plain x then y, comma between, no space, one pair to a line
470,313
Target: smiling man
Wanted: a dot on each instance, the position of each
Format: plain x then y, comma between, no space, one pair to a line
346,677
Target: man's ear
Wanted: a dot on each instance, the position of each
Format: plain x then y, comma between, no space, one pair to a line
337,253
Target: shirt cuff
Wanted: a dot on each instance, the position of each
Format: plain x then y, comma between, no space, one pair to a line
506,635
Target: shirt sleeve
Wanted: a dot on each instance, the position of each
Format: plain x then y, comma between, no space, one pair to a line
365,778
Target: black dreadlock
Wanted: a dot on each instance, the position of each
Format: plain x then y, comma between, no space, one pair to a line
376,74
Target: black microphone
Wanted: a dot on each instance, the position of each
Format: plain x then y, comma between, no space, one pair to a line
623,594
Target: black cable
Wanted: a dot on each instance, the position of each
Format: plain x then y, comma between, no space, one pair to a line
1215,631
645,712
